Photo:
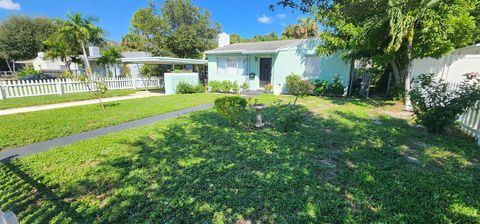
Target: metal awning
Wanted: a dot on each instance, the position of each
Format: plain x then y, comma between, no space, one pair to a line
164,61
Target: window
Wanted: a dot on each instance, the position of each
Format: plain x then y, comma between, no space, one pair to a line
312,66
232,66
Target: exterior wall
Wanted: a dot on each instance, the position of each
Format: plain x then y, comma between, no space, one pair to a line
172,80
213,70
286,61
450,67
292,60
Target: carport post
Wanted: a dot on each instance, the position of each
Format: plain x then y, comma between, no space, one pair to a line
2,95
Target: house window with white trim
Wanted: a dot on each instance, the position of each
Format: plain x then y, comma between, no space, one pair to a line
232,66
312,66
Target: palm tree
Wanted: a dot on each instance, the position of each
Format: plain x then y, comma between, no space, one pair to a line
59,46
85,31
403,18
307,27
110,58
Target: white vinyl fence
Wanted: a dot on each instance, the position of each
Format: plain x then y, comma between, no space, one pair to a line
471,119
25,88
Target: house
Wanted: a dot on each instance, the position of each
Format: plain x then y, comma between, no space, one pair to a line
56,66
270,62
451,67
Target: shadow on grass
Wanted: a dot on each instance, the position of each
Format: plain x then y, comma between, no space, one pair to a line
343,168
360,101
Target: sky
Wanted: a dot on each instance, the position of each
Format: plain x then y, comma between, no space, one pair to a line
245,17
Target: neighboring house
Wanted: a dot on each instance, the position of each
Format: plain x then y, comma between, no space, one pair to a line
453,66
56,66
261,63
41,63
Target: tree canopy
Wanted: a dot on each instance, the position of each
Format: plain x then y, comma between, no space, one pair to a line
179,29
236,38
22,37
306,28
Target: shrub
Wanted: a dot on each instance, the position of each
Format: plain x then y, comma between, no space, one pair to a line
244,86
298,87
437,108
199,88
319,87
336,87
223,86
27,71
269,87
185,88
233,108
288,117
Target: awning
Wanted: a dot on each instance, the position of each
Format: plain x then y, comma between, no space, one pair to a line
25,61
164,61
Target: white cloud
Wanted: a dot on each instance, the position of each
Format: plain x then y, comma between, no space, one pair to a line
9,5
264,19
282,16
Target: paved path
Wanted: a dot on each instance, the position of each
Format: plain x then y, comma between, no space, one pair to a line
76,103
45,146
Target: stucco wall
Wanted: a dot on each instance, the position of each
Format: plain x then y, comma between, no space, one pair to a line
292,60
213,72
172,80
450,67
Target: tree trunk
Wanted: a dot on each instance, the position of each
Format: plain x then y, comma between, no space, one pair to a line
85,58
408,75
396,72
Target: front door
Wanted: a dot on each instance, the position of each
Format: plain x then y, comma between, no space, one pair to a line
265,71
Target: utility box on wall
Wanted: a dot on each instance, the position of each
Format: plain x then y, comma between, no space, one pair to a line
172,80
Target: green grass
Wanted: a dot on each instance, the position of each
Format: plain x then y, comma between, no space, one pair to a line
51,99
350,163
26,128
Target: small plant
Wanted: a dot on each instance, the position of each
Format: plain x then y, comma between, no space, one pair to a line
199,88
288,117
233,108
336,88
319,87
66,75
223,86
244,86
298,87
185,88
268,87
438,108
97,87
27,71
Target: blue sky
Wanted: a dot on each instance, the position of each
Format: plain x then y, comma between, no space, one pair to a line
246,17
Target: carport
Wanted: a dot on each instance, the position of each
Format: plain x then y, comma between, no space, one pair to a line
172,79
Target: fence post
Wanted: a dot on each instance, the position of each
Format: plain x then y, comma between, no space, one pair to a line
158,82
59,87
134,82
2,94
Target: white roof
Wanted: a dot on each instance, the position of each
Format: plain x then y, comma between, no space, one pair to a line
164,60
255,47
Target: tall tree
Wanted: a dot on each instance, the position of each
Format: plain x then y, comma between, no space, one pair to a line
110,58
22,37
85,32
306,28
179,29
63,46
394,31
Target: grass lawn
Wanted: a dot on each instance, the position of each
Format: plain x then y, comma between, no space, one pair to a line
25,128
350,163
51,99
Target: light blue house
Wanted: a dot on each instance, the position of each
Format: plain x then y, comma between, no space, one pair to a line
261,63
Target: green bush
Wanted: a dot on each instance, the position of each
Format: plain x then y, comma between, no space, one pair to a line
336,87
438,108
287,117
244,86
199,88
298,87
319,87
269,87
233,108
185,88
223,86
27,71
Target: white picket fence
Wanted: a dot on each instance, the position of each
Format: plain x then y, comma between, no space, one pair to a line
471,119
26,88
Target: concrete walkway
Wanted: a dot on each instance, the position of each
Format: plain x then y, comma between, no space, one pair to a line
77,103
45,146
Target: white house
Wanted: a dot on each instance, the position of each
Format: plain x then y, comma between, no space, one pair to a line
451,67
